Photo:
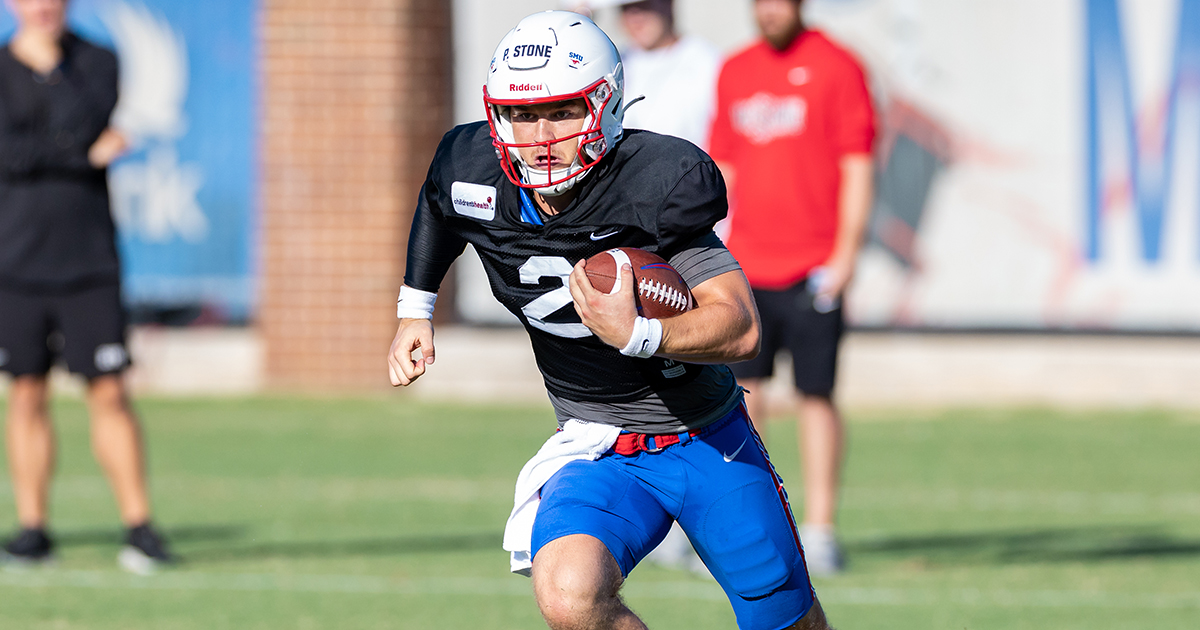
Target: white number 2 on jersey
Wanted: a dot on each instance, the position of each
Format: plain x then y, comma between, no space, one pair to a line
532,272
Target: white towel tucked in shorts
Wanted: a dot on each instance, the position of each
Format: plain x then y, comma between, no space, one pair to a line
576,440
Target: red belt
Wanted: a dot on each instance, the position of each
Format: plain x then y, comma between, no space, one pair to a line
634,443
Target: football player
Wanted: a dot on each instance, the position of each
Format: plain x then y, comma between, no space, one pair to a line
652,425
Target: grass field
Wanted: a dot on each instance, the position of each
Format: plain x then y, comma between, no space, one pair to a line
388,514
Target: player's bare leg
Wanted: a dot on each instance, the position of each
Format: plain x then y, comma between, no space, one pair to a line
576,582
30,449
117,445
813,620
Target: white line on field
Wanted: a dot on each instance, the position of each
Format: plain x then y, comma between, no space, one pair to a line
516,586
1023,501
499,491
1008,598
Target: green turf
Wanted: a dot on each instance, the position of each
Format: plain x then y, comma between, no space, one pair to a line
384,513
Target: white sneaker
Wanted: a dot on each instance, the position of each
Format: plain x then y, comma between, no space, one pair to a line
145,551
135,561
821,550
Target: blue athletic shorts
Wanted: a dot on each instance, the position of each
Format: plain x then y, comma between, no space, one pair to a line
722,489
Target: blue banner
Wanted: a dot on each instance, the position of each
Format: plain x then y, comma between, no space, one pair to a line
1149,161
185,196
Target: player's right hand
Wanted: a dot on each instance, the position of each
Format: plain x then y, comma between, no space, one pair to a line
413,335
608,315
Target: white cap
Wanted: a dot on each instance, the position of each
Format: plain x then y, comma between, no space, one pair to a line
593,4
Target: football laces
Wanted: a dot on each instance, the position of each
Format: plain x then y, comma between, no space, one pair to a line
662,293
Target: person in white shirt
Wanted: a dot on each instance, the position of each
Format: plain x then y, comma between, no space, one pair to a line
676,73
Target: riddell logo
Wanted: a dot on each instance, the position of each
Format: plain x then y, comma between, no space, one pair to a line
524,87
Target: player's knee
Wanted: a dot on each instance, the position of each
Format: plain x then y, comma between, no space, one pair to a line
569,597
564,612
574,589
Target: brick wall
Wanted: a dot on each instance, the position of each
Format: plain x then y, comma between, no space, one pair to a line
356,94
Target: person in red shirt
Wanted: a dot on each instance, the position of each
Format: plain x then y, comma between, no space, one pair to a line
792,134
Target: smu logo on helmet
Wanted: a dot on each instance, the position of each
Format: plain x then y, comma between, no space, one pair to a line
532,50
576,59
524,87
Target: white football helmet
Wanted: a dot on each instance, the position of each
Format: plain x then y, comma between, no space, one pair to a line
549,57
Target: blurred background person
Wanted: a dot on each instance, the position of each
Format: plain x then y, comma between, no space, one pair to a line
793,133
676,73
59,273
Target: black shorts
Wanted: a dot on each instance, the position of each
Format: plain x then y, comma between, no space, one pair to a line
85,328
790,321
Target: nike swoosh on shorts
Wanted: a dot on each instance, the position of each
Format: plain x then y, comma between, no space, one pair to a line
729,458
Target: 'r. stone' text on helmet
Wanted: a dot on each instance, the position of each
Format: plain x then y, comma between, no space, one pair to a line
551,57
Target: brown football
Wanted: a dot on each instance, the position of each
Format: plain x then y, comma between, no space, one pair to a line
661,291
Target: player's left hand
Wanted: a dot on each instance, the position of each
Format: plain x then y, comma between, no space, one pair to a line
609,315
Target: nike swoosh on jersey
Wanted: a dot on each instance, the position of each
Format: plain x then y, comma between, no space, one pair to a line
596,237
729,458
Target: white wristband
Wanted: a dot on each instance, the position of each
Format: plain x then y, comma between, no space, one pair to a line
414,304
643,343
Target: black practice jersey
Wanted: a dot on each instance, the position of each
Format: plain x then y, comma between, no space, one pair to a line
56,231
653,192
